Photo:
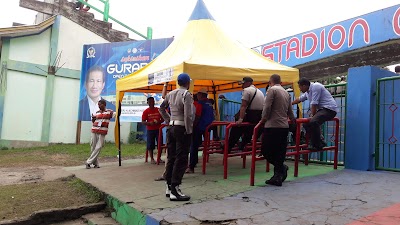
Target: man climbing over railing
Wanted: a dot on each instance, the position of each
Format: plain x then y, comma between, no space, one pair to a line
277,109
250,111
323,108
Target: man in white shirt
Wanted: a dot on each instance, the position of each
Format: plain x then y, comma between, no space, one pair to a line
250,111
323,108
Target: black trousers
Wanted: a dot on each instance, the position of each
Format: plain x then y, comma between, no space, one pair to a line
215,133
237,132
313,128
178,151
194,150
253,116
273,147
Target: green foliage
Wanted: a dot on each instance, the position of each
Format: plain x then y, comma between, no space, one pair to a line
134,137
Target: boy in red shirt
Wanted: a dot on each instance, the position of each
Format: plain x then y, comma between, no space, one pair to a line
152,119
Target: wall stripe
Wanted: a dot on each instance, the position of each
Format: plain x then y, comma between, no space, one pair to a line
5,52
25,67
48,104
41,70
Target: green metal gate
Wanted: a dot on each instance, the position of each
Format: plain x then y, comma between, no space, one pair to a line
228,109
387,146
338,92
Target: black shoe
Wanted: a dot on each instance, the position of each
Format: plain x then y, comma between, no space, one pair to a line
271,179
313,148
177,195
318,147
285,169
87,166
167,190
277,181
96,166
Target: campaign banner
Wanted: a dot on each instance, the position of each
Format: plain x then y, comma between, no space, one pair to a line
103,64
369,29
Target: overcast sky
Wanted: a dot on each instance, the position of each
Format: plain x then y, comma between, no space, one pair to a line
252,22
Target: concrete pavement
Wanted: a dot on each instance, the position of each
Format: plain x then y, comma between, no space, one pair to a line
319,195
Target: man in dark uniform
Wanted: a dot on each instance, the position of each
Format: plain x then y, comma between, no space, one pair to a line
276,111
179,135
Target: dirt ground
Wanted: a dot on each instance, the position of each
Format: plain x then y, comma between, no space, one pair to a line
19,175
37,176
33,174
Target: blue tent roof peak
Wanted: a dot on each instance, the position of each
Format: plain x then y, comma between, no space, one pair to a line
201,12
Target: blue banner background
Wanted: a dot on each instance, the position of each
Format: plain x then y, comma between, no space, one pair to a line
118,60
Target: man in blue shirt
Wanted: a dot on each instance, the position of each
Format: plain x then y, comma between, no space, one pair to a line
199,126
323,108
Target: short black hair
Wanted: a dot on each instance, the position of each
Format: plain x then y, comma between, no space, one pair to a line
102,101
149,98
397,69
94,69
247,79
276,78
304,81
211,101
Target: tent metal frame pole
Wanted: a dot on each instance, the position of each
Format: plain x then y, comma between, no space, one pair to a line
119,134
215,99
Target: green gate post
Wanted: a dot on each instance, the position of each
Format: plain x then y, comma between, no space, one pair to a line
106,10
149,33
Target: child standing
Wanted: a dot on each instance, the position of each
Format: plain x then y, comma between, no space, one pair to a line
152,119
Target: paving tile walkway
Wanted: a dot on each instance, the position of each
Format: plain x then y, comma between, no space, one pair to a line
319,196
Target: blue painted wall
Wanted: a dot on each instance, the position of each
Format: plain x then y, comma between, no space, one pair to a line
361,117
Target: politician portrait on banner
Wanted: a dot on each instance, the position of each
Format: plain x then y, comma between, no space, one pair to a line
103,64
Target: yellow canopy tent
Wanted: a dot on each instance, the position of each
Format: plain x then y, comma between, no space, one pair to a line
209,56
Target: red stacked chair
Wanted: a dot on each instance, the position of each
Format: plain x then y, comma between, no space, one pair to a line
297,150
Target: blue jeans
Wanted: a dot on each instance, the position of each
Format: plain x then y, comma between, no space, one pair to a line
152,137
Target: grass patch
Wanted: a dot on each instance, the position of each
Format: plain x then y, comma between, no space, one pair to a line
64,155
22,200
82,188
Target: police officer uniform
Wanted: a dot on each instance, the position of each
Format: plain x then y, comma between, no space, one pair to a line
179,135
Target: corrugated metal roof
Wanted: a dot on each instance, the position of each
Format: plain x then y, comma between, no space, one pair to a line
18,31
